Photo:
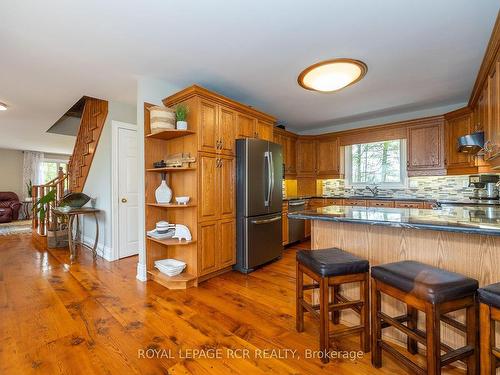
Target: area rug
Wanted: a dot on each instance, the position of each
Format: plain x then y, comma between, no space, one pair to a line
15,227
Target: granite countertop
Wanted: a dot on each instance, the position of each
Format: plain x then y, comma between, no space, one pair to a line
452,201
462,219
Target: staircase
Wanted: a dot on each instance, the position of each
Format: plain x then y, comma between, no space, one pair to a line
94,116
92,122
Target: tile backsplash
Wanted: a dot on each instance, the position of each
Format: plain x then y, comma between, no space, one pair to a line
453,187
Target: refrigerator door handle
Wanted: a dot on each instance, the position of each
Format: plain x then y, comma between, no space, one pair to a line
271,169
267,200
265,221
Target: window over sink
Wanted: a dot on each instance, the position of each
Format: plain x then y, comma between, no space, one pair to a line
377,163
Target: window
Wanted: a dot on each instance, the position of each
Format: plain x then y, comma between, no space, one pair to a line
378,163
50,169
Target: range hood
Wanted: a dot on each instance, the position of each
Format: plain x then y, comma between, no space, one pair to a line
471,143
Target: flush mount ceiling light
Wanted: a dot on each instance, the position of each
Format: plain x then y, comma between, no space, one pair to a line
332,75
3,107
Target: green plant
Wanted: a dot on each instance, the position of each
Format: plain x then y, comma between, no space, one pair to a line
41,204
29,188
181,111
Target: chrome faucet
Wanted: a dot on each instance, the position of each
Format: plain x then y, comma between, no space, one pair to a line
373,190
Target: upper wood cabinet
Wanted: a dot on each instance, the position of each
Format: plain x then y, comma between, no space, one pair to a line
264,130
425,153
246,126
287,142
217,128
457,124
226,131
490,106
328,158
250,127
306,157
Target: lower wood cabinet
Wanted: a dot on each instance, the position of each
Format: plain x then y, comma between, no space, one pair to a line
354,202
216,245
377,203
406,204
284,223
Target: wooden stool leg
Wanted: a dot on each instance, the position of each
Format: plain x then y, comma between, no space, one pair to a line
376,326
335,314
324,318
433,330
487,340
364,316
299,317
412,344
472,339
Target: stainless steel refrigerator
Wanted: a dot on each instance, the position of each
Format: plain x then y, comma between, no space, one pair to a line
259,198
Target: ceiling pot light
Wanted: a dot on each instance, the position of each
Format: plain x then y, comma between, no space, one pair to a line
332,75
3,107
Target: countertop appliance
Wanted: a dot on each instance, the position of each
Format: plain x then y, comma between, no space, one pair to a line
485,186
296,227
259,199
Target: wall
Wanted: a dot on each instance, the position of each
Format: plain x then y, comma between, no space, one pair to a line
11,172
98,183
149,90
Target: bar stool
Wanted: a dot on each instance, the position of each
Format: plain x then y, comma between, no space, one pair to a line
332,268
435,292
489,308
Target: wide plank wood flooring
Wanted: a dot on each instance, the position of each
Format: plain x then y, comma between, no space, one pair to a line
88,318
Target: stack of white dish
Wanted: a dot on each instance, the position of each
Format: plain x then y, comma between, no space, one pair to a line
170,267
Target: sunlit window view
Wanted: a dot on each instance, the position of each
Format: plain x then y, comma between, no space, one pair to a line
51,168
376,163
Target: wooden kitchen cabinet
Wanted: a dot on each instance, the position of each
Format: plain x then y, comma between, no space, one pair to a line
284,223
246,126
328,158
217,248
407,204
264,131
380,203
217,128
291,155
354,202
216,187
306,157
458,123
425,148
490,115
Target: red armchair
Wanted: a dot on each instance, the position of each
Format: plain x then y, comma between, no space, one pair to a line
9,206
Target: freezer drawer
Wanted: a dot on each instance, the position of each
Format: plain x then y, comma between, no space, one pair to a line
259,242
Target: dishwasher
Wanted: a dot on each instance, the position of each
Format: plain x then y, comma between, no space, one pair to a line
296,227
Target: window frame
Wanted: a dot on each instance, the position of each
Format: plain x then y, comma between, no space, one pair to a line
388,185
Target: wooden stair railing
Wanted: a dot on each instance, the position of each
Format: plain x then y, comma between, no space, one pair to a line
92,122
60,184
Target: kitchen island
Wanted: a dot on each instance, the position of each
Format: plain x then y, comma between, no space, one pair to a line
463,239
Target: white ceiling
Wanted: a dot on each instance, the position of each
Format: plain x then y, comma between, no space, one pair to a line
420,54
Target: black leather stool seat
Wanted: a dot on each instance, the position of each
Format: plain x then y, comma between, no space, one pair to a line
490,295
332,262
426,282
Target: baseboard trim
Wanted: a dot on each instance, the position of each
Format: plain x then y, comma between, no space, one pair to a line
103,251
142,275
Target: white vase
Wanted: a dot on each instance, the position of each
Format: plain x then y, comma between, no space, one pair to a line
182,125
163,193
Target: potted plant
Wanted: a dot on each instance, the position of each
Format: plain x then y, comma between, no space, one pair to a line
181,111
57,233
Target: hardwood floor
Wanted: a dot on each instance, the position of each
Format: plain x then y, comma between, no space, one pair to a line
98,319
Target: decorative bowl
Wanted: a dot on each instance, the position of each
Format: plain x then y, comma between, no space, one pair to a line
74,200
182,200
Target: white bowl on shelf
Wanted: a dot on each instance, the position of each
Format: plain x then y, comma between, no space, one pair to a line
170,267
182,200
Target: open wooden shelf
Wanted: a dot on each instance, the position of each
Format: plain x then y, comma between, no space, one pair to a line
170,134
170,169
182,281
171,241
171,205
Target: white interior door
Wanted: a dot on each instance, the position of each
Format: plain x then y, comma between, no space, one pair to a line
128,236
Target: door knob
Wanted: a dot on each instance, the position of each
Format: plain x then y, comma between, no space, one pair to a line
124,200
